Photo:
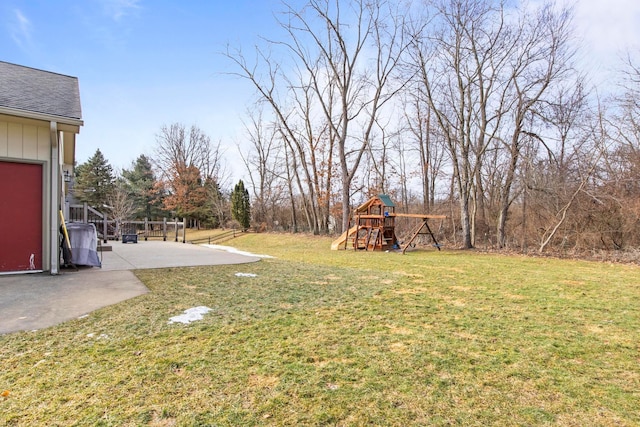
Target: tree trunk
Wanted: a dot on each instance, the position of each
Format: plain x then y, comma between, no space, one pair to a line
505,195
465,222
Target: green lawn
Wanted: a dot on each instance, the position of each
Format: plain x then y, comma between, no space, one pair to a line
344,338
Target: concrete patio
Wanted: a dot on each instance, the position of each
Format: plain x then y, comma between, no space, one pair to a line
39,300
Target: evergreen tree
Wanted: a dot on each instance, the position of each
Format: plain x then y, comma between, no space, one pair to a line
94,181
240,205
141,185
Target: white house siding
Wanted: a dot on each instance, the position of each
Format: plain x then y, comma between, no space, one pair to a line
24,139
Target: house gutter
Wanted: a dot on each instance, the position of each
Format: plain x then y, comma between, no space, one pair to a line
41,116
54,200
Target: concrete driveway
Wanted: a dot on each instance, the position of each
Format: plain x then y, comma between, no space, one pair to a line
36,301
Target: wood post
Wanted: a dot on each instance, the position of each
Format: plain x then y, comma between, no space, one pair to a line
164,229
175,224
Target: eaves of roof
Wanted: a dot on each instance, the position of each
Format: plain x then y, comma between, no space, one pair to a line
40,116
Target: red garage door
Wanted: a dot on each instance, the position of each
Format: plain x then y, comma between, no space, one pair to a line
20,217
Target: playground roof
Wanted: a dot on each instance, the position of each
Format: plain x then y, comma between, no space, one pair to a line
383,198
386,200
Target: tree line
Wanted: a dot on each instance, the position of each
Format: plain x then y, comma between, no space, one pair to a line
181,180
476,109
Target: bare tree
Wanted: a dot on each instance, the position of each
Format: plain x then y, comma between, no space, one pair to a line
542,58
618,215
484,70
458,63
290,164
189,164
626,121
293,122
402,168
120,204
264,162
427,143
179,147
378,162
591,164
343,56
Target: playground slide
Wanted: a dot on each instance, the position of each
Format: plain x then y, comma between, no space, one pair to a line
339,242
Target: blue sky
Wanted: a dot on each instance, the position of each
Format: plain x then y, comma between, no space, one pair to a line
140,64
146,63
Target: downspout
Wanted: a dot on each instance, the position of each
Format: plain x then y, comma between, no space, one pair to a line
54,169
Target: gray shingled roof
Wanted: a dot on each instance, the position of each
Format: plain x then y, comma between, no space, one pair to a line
39,91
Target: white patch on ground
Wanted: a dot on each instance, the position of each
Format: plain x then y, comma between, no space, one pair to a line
99,337
190,315
246,275
235,251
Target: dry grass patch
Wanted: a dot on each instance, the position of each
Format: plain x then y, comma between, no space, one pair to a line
411,291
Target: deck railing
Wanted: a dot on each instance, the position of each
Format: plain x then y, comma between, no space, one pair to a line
166,229
111,229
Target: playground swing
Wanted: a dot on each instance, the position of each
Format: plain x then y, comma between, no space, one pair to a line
374,227
422,229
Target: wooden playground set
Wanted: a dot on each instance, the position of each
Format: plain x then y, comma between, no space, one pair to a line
374,224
